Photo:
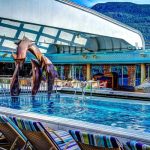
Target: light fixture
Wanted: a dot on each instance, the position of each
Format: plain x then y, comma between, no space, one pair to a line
94,56
84,56
143,54
4,55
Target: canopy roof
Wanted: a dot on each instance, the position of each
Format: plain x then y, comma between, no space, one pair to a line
73,19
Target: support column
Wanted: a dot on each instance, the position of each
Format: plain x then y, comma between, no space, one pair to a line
66,71
143,72
70,71
88,72
131,75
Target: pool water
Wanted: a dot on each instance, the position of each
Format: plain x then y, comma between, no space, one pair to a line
107,111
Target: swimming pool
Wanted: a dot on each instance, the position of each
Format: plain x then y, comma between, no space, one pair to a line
107,111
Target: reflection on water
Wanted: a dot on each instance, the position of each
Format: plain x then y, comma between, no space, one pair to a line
15,102
107,111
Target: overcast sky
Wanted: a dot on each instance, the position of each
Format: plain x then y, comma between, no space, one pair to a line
92,2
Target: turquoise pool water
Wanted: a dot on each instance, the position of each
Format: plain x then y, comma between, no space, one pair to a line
107,111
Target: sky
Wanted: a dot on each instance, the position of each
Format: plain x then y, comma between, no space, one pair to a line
90,3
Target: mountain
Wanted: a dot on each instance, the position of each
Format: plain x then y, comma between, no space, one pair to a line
134,15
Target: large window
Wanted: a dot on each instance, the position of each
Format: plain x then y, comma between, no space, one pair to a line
148,71
97,69
138,75
119,71
7,69
63,71
77,72
70,49
125,75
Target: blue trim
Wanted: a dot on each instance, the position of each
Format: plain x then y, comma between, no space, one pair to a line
48,36
57,36
101,58
39,33
73,39
19,30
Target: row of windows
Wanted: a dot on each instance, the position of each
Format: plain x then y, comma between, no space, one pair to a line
79,71
44,36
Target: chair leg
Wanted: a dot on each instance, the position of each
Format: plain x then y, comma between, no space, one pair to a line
26,146
14,143
1,148
52,148
4,142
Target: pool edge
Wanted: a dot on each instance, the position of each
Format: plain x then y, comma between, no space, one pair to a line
66,124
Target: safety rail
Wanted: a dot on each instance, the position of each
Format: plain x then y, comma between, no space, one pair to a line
25,85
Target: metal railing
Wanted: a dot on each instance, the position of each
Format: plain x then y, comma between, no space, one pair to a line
25,85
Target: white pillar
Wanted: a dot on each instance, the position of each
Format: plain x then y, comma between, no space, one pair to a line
88,73
143,72
70,71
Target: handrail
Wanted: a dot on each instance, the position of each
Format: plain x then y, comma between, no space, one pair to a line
25,85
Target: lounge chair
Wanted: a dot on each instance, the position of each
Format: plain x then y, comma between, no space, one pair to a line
75,83
3,142
92,84
134,145
68,84
43,138
88,141
15,138
95,84
58,82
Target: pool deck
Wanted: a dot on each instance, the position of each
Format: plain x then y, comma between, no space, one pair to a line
110,93
67,124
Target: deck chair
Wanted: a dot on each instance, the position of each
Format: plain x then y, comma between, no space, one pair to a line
3,141
43,138
88,141
15,138
134,145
